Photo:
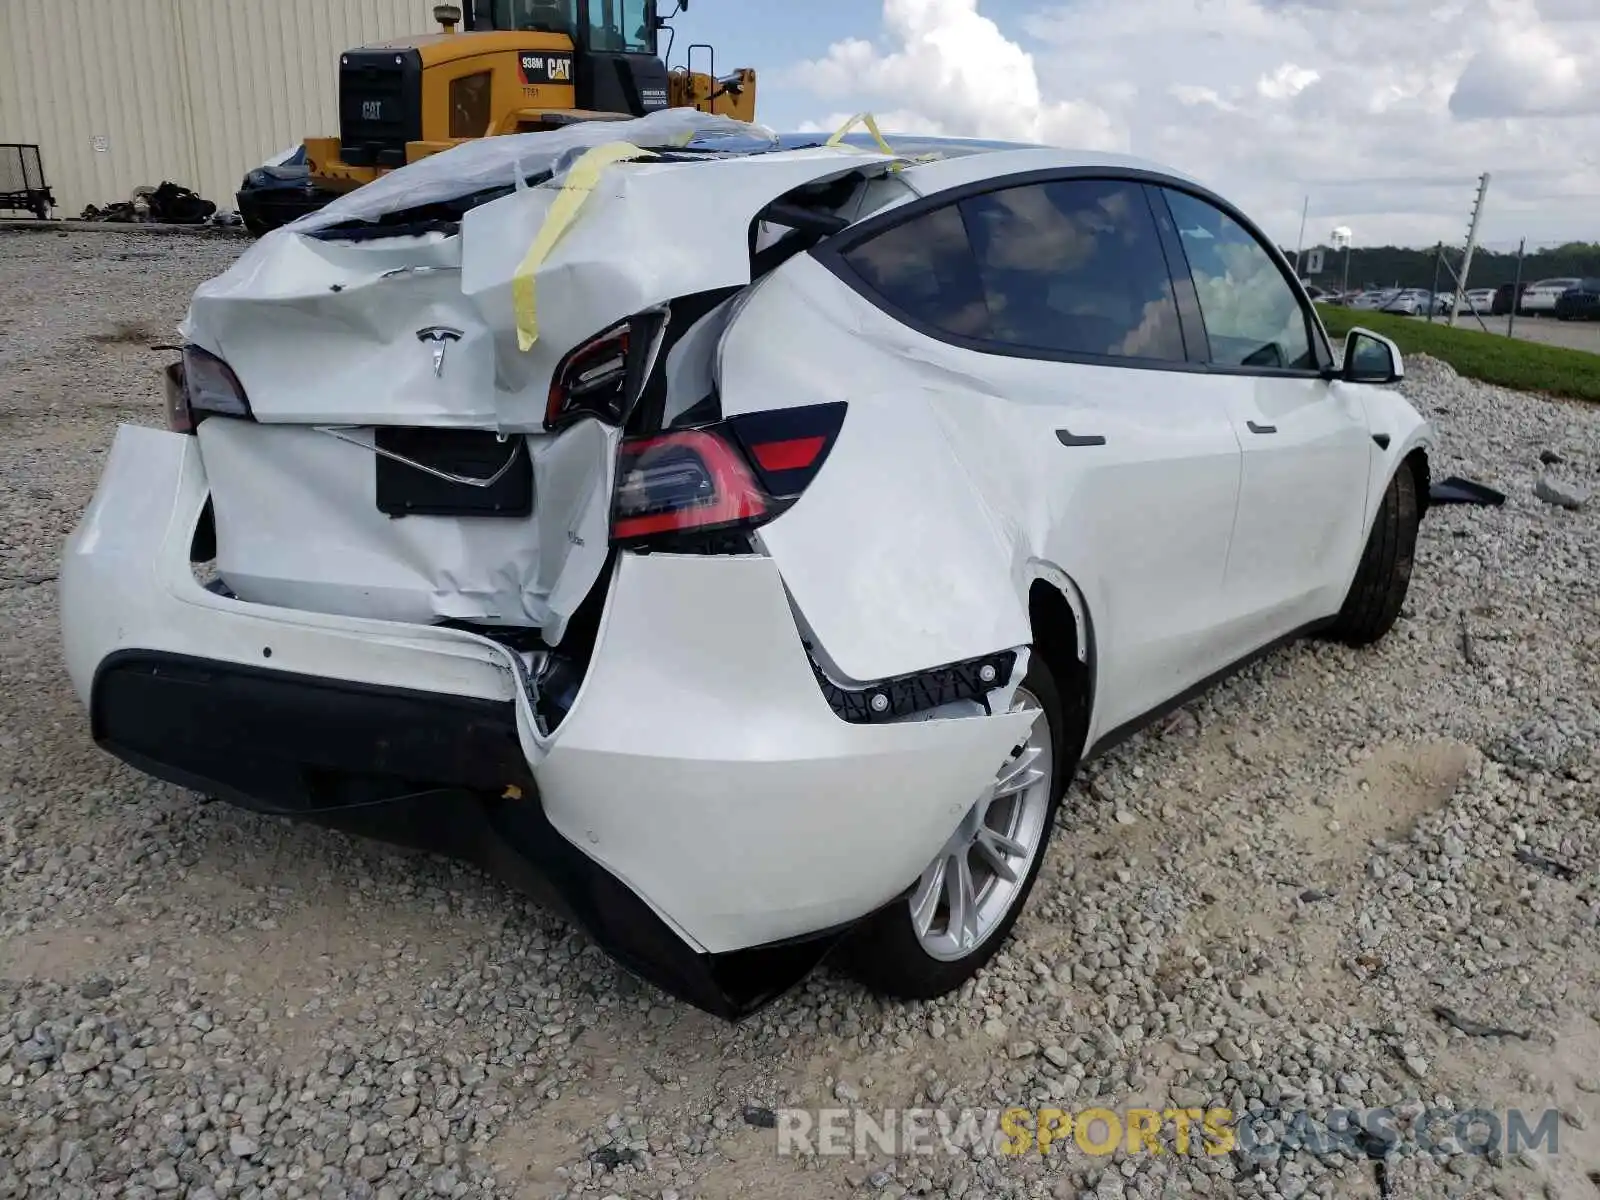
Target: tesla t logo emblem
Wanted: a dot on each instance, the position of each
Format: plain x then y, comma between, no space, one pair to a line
439,337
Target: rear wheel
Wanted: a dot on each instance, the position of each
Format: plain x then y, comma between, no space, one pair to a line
961,910
1384,576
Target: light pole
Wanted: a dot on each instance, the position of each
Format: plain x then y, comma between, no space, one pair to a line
1300,245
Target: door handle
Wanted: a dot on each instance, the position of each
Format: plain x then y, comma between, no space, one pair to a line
1067,438
1254,428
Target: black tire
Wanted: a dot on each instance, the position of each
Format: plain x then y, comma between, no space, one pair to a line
1379,589
884,954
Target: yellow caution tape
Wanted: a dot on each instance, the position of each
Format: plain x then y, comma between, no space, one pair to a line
580,183
870,122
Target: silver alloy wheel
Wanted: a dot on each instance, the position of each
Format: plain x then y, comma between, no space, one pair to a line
966,892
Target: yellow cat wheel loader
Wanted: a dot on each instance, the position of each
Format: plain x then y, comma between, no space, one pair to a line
496,66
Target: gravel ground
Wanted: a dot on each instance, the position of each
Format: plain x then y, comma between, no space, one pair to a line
1260,903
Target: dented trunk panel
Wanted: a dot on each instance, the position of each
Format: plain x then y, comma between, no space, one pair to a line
421,332
298,526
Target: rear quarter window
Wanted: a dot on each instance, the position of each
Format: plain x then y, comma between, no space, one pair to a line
925,269
1066,268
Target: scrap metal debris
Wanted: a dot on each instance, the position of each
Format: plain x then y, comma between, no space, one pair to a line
1548,865
1456,490
169,204
1466,642
1476,1028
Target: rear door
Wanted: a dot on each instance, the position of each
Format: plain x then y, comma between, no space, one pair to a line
1306,441
1033,380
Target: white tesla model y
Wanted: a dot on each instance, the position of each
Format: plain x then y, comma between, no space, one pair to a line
746,537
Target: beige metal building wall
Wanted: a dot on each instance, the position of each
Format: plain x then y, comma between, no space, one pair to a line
123,93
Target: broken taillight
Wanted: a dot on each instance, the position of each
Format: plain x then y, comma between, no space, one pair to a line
200,385
605,376
734,475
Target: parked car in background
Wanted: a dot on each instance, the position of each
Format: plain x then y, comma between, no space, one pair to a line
1580,303
1541,297
1410,302
1479,300
760,586
1502,298
1367,300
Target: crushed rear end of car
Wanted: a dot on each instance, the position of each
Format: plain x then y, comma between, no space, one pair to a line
453,543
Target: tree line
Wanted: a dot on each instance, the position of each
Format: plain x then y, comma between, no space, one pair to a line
1400,266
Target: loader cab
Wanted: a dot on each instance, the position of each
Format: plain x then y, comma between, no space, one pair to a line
618,67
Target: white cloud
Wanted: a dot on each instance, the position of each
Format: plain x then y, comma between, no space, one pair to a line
1194,96
1532,66
1288,80
947,69
1383,111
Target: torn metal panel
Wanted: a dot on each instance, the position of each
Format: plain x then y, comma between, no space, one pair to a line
649,233
327,331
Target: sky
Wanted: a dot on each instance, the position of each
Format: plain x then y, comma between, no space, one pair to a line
1382,112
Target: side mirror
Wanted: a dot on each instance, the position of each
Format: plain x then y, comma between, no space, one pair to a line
1371,358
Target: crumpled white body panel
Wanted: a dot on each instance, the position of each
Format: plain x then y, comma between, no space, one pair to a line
325,332
298,526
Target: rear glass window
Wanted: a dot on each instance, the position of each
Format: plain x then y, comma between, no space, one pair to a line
1072,267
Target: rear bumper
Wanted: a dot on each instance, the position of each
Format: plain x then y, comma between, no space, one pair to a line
701,810
438,773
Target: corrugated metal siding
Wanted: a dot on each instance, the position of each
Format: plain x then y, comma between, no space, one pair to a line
196,91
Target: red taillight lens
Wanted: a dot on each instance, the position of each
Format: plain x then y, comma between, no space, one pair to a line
792,454
693,479
736,474
606,376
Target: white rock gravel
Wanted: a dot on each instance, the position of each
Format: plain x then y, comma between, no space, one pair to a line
1260,903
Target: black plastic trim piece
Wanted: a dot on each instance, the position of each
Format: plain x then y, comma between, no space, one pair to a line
906,695
831,252
782,424
1254,428
1382,440
1196,344
1113,739
1067,438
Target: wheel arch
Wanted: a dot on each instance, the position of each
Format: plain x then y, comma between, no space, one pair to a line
1416,461
1063,637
